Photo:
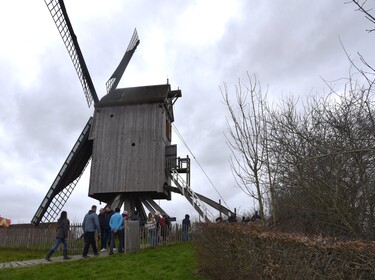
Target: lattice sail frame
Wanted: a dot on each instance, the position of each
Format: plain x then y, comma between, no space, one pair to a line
61,19
58,202
59,193
113,81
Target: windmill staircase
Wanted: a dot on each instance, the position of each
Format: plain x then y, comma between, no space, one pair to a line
190,195
66,180
195,199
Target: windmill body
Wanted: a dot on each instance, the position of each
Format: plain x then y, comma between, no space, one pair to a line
130,133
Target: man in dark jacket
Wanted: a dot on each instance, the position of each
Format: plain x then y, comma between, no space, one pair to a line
90,226
101,218
108,212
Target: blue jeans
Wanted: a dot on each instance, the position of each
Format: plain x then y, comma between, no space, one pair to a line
106,237
58,242
152,236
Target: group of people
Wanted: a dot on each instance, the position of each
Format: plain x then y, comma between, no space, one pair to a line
254,218
233,218
111,225
108,225
107,229
158,228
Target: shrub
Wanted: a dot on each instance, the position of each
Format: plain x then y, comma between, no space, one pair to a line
250,251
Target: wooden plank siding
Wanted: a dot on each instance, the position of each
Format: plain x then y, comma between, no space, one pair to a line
129,149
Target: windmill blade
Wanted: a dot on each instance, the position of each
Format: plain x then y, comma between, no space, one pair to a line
61,19
113,81
66,179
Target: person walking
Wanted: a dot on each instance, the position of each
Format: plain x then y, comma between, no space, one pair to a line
90,226
62,230
115,224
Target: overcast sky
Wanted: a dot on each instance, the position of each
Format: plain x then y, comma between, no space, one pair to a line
197,45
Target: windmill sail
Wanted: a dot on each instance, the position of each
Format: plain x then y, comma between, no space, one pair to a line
61,19
66,180
113,81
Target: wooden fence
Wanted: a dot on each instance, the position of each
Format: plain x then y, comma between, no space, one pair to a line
42,238
172,235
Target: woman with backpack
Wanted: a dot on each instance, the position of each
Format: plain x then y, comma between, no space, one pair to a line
62,230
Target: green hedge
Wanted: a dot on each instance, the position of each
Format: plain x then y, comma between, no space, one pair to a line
250,251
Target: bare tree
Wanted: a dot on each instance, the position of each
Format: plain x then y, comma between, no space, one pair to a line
325,181
362,6
247,139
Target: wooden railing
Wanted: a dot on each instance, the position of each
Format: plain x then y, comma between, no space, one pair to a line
43,238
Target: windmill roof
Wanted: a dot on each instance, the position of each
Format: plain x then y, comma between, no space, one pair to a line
137,95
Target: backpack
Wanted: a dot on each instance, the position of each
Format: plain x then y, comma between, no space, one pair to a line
162,222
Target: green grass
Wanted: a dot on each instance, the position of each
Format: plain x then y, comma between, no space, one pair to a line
19,254
165,262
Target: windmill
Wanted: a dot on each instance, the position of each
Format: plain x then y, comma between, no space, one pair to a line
128,141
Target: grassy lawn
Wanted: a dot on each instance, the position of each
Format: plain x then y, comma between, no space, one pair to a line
165,262
19,254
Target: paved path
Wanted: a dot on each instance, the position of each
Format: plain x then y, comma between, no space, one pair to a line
16,264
